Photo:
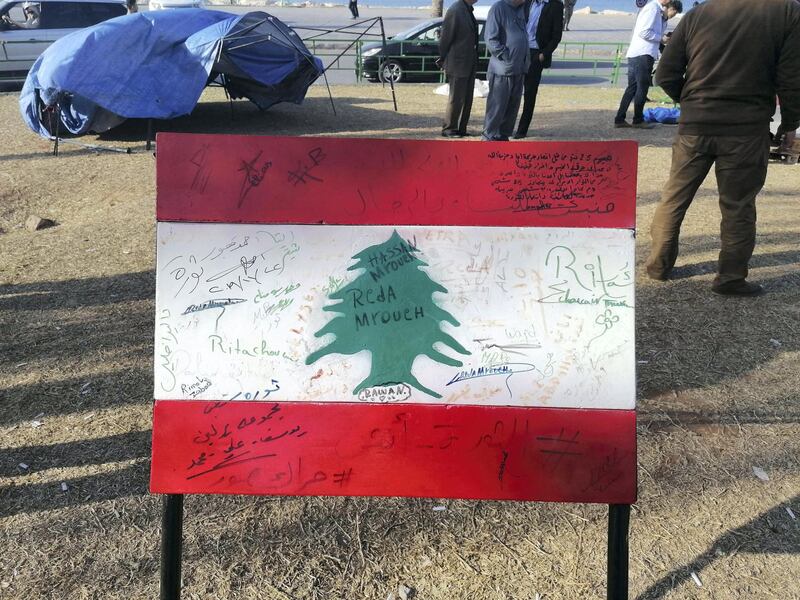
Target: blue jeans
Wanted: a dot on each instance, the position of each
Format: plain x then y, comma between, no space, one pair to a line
640,68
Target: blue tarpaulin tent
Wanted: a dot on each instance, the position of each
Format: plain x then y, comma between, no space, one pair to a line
156,64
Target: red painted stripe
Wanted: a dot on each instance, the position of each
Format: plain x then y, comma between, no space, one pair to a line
439,451
259,179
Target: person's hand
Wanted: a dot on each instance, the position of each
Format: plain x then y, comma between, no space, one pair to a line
541,58
785,139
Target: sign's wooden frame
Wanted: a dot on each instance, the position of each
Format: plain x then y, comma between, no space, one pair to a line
240,179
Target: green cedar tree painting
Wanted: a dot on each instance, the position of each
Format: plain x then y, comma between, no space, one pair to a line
389,310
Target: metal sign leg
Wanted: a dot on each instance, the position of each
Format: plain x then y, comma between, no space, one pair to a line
618,521
171,540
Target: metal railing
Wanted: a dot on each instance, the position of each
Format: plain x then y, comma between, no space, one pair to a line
600,59
603,56
335,50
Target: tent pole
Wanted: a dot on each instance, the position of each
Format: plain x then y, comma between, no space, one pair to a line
58,127
149,134
383,50
97,147
228,96
330,96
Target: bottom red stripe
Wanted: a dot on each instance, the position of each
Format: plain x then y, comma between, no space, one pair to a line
430,450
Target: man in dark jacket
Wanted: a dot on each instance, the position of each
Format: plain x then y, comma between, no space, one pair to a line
458,52
545,20
725,63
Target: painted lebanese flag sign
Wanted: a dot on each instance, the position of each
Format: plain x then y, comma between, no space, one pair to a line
395,318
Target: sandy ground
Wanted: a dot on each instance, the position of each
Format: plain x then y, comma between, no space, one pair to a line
718,396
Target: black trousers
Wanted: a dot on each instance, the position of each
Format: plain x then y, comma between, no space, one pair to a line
459,104
353,6
532,80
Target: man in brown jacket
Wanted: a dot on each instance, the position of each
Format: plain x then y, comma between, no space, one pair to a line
725,63
458,54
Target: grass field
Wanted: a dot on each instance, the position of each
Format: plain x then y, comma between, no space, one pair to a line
718,394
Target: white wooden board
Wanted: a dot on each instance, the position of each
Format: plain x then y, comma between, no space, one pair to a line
546,314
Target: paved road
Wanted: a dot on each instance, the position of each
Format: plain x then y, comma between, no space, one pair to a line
584,28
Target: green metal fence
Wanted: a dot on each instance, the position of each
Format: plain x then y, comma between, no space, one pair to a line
602,59
599,59
603,56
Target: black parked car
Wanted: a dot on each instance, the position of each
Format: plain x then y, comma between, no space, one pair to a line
411,55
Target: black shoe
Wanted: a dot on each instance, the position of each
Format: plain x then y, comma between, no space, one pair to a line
519,135
452,134
467,133
622,124
643,125
737,288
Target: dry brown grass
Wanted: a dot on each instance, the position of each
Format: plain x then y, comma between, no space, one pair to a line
718,394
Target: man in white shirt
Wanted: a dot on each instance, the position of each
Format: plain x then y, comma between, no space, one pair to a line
648,34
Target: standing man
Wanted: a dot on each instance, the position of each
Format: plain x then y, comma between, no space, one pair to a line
458,55
545,19
648,34
569,6
725,63
507,42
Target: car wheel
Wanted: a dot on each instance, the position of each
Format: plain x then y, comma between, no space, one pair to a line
392,71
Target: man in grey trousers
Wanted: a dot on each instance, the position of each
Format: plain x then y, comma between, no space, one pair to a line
507,41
